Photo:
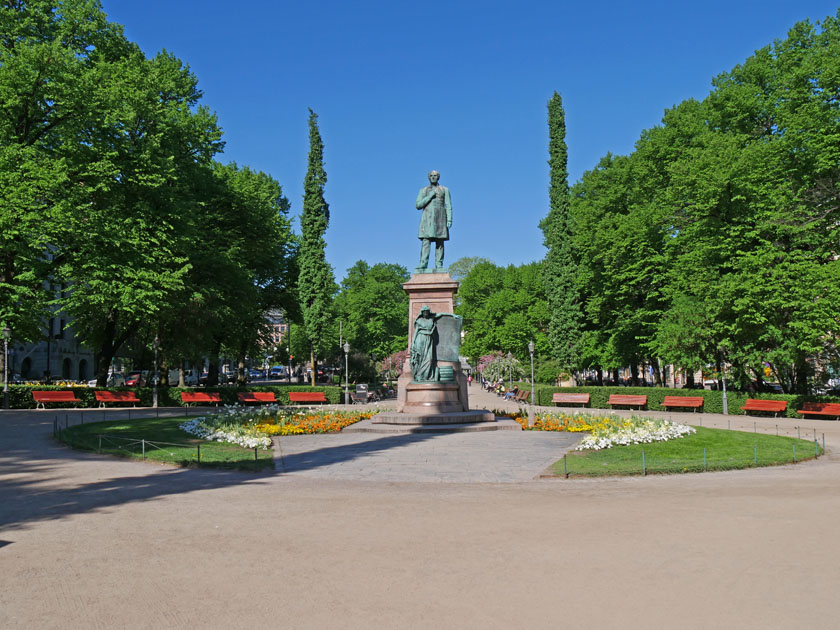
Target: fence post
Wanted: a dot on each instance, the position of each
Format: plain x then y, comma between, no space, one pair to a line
99,450
143,446
777,430
566,471
794,452
198,453
256,463
816,448
644,467
755,454
704,459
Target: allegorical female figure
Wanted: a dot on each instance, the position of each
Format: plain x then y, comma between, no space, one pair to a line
422,357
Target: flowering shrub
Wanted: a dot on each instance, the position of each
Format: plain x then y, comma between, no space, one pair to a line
607,431
253,428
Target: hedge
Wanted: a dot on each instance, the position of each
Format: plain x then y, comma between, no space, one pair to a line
20,396
712,399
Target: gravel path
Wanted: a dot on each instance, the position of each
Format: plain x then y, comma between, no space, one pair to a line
90,541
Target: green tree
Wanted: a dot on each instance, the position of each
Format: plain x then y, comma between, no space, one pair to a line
374,308
316,284
561,258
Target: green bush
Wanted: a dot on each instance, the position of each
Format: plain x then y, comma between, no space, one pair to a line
712,400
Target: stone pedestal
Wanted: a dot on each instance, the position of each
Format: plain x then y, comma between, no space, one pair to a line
437,405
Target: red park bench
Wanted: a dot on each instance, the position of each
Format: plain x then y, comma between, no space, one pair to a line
628,400
820,409
579,399
256,397
695,402
201,397
116,397
307,397
54,397
755,404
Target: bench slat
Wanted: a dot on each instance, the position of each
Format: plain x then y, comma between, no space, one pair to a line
106,397
260,397
201,397
628,399
756,404
582,399
683,401
820,409
41,397
307,397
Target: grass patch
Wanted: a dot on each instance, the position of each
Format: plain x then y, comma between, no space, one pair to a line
725,450
165,442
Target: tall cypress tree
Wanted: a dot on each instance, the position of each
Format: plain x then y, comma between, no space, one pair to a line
315,282
561,260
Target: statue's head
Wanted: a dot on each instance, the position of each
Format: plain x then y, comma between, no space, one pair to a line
425,312
434,177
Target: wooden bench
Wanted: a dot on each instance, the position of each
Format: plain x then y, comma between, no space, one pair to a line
628,400
201,397
695,402
522,395
820,409
54,397
256,397
755,404
578,399
116,397
307,397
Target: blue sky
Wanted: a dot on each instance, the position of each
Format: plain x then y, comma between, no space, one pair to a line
461,87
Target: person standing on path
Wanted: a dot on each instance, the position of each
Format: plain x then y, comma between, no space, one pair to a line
436,204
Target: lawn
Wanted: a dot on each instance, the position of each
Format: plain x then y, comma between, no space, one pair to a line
724,450
168,444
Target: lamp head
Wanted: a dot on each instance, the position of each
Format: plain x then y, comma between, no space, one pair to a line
531,347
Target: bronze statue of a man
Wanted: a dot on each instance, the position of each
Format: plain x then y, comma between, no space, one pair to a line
435,221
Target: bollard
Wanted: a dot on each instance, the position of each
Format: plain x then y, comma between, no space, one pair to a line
644,467
143,446
704,459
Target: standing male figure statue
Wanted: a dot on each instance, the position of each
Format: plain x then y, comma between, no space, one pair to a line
435,221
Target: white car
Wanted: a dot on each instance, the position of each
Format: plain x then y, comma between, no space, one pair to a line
115,379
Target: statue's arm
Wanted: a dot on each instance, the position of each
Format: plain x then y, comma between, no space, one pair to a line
424,197
447,200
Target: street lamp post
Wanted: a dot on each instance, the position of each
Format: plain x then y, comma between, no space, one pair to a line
346,374
157,376
531,408
510,371
7,334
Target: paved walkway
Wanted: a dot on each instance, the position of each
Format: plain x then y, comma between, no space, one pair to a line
89,541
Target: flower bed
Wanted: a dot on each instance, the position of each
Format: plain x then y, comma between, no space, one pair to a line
608,430
253,428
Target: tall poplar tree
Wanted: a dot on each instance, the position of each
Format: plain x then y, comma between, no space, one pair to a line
560,261
315,282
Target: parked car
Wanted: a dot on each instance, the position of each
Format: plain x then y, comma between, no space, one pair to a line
115,379
190,378
256,374
277,371
136,379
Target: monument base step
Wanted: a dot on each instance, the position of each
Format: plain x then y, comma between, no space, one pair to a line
367,426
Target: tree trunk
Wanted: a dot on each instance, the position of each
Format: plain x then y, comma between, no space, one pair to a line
634,374
313,363
600,374
213,369
689,377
